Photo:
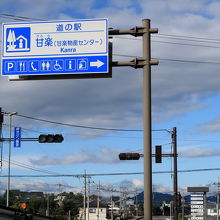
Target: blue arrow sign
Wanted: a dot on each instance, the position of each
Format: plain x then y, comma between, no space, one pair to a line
17,136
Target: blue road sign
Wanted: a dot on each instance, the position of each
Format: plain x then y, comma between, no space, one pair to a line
56,47
17,136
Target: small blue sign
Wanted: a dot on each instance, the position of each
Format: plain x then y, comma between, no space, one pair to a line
17,137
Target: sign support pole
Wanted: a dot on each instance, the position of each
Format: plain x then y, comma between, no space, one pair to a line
147,122
145,62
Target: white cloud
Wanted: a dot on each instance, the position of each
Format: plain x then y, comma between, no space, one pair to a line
211,126
103,156
102,101
138,183
197,151
38,186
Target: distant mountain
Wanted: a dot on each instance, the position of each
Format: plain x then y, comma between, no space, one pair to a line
160,197
157,197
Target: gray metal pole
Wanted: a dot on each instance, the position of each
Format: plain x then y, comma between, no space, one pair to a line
69,215
88,194
136,198
175,183
218,200
9,157
48,205
9,163
218,206
112,205
98,199
171,207
84,203
147,122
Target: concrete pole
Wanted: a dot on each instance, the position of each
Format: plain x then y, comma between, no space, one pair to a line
218,206
175,179
183,204
136,198
218,200
84,202
171,207
88,194
98,199
147,122
48,205
112,205
69,215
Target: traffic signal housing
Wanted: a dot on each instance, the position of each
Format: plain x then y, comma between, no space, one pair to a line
50,138
129,156
158,154
1,116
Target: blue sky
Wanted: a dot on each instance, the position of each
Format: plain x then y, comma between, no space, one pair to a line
184,95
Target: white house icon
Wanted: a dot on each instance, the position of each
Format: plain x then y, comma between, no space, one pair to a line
22,42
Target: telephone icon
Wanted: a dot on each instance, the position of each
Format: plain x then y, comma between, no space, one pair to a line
32,66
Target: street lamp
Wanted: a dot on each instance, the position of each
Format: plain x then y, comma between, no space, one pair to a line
10,114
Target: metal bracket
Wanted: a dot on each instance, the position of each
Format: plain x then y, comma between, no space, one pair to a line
135,31
135,63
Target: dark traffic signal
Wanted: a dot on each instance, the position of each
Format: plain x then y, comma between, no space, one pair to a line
129,156
158,154
1,116
50,138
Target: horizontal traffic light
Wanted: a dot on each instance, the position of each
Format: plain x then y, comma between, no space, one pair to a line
50,138
129,156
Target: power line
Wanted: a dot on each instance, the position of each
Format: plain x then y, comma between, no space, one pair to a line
191,37
189,61
160,35
15,17
177,43
86,127
19,164
115,174
174,60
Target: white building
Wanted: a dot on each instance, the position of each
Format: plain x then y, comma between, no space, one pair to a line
95,213
212,209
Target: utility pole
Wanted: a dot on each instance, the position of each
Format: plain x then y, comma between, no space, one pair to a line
120,201
48,205
112,205
98,199
88,198
183,204
84,203
171,208
175,183
136,198
69,215
217,204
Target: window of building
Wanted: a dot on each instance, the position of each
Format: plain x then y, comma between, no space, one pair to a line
92,210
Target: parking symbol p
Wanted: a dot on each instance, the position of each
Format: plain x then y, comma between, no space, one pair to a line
10,66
